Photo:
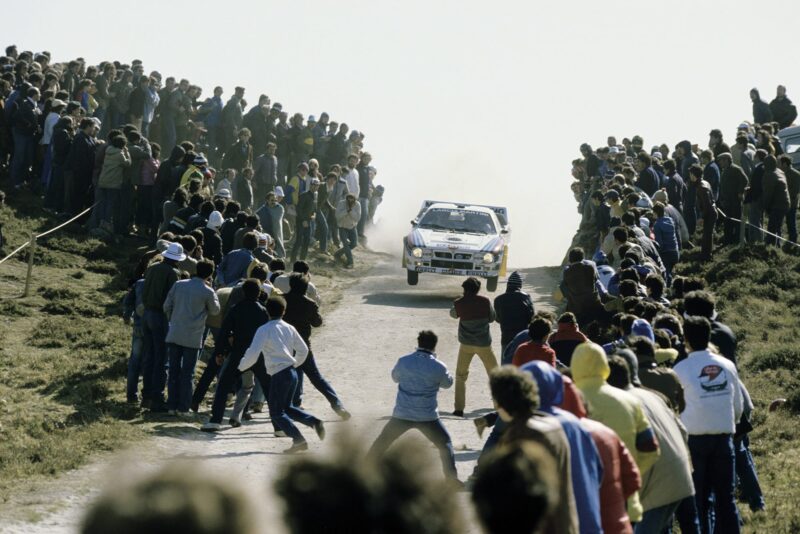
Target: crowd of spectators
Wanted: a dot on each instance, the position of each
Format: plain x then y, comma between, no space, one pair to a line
624,414
148,154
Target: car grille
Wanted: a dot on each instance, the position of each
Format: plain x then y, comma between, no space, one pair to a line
444,264
450,255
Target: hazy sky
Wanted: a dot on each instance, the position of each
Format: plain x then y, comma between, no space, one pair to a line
460,100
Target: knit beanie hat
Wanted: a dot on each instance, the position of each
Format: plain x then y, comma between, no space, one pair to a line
514,281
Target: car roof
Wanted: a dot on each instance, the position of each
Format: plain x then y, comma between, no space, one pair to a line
454,206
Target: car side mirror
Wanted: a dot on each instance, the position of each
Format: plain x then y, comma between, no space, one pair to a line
505,231
413,222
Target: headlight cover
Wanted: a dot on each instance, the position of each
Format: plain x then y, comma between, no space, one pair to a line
417,252
488,258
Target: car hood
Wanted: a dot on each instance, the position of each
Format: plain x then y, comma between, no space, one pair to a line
421,237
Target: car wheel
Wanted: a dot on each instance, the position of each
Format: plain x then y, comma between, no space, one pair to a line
413,277
491,283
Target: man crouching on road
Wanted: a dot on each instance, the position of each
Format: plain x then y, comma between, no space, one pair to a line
419,376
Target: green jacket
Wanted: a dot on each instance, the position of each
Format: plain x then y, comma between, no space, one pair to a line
114,165
775,194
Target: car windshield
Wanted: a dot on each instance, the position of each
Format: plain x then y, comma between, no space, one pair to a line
464,221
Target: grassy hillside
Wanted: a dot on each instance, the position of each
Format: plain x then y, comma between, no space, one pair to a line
758,289
64,349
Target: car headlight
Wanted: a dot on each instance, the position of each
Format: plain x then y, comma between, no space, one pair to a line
488,258
417,252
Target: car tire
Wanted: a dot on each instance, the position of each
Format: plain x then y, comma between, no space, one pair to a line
412,277
491,283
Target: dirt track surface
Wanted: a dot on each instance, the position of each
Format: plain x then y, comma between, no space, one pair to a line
374,324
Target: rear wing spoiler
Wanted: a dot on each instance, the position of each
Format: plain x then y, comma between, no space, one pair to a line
502,213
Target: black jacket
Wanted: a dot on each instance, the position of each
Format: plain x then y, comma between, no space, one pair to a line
241,323
306,206
61,142
783,111
302,313
228,234
212,245
26,119
514,311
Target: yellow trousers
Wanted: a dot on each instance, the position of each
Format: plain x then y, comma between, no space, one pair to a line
465,354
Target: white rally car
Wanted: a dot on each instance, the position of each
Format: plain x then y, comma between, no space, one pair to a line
459,239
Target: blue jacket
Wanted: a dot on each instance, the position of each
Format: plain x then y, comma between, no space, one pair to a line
419,376
587,468
666,235
234,267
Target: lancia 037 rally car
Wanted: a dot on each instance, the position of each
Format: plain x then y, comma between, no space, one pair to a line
458,239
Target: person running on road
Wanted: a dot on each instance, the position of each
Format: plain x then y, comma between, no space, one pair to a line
282,350
419,377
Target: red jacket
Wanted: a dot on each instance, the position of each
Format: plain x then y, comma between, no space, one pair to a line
530,351
621,477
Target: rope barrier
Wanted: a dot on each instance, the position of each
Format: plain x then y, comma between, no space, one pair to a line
62,225
761,229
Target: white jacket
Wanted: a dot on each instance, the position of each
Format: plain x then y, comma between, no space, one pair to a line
347,219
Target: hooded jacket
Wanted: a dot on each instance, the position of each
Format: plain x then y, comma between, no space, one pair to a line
620,477
587,469
617,409
564,341
514,310
114,164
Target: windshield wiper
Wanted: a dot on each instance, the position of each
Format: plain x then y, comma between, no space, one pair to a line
434,226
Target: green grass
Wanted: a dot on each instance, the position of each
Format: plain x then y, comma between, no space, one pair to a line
758,289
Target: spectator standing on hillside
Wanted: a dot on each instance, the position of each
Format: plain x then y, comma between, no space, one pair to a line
158,281
188,304
271,216
793,185
351,175
666,235
306,213
514,310
25,128
365,174
714,404
775,200
648,180
731,193
706,208
580,287
783,111
475,313
419,376
348,213
109,186
761,112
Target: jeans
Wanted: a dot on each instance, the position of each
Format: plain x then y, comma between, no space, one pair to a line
433,430
107,206
714,472
731,230
211,371
657,520
749,487
690,216
22,160
774,226
182,361
310,369
227,383
465,355
154,363
322,231
47,165
686,514
302,241
349,239
791,223
754,218
168,134
54,198
134,367
362,222
281,411
670,259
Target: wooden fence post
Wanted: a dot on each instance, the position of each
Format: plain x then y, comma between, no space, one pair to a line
31,251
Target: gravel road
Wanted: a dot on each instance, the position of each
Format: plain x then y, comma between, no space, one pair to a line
375,323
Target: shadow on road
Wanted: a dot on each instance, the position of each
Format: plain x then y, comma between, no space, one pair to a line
408,300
